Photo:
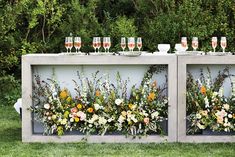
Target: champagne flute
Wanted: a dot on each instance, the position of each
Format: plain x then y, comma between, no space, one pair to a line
98,43
108,43
184,43
94,43
70,43
131,43
139,43
77,44
195,43
66,43
214,43
105,43
223,43
123,43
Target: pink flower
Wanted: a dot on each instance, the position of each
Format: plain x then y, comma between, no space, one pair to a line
74,110
146,120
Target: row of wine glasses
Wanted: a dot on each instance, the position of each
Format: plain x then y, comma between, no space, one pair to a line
223,43
69,43
97,43
185,45
131,43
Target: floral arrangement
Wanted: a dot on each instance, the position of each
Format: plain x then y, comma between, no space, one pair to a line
101,107
207,107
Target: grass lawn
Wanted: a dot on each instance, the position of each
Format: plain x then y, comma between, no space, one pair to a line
11,145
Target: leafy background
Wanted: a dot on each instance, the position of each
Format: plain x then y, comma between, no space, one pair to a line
40,27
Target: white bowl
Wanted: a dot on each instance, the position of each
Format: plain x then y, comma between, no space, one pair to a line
163,47
179,48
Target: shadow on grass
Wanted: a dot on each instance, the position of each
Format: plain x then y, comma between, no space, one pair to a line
10,135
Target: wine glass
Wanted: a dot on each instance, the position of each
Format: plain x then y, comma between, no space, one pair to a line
123,43
66,43
214,43
98,43
139,43
108,43
184,43
223,43
195,43
77,43
131,43
94,43
70,43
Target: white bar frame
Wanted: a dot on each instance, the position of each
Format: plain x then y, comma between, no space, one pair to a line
28,61
183,62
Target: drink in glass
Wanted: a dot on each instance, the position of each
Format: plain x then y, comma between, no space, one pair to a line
70,43
98,43
139,43
77,43
94,43
223,43
214,43
131,43
195,43
66,43
184,43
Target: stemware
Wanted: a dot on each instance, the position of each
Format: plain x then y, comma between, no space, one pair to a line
98,43
70,43
223,43
94,43
214,43
77,43
139,43
131,43
195,43
184,43
106,43
123,43
66,43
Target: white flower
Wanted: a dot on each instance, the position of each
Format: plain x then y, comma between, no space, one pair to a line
93,119
206,102
102,121
226,106
47,106
132,117
121,119
82,115
110,119
49,118
198,116
118,101
155,114
97,107
64,121
221,92
201,126
230,116
214,94
53,117
71,120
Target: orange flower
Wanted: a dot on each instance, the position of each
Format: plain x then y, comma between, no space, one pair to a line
79,106
151,96
203,90
64,94
97,93
90,110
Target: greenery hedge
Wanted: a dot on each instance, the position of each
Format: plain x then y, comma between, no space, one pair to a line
40,26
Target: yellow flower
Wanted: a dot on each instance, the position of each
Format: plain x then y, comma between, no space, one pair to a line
90,110
79,106
130,106
76,119
64,94
203,112
203,90
151,96
219,119
124,113
234,116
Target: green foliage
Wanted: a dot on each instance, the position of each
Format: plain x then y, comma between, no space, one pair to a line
40,26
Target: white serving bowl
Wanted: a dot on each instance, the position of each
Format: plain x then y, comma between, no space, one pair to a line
163,47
